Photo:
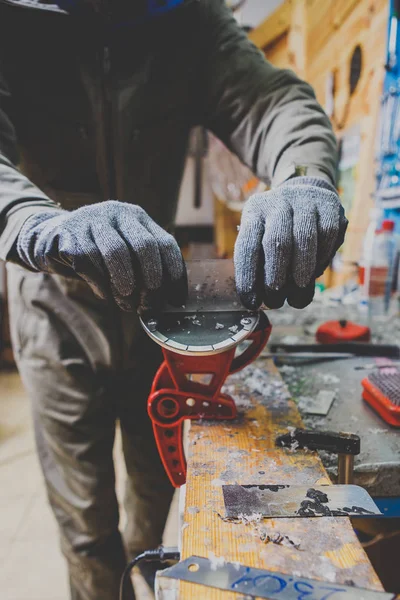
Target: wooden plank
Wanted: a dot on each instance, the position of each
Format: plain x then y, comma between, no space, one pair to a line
226,222
342,10
320,26
243,452
298,38
276,25
278,53
324,19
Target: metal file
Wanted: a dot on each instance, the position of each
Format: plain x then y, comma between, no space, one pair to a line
298,501
260,583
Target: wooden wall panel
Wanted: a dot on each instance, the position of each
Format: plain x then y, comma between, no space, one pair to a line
273,27
366,26
278,53
319,25
320,38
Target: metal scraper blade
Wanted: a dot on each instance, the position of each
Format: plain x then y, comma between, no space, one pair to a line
211,286
298,501
213,319
260,583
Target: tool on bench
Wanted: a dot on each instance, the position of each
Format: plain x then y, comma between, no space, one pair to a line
260,583
373,366
345,445
381,390
318,404
282,500
199,339
339,349
304,358
333,332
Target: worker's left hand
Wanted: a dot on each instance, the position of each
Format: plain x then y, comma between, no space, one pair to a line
287,238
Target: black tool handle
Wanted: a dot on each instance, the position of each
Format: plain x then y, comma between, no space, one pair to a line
356,348
331,441
201,147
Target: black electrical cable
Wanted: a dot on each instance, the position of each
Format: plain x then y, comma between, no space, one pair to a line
161,554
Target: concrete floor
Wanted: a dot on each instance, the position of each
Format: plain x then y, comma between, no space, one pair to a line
32,567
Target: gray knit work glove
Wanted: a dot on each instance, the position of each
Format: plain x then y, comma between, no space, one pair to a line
287,238
115,247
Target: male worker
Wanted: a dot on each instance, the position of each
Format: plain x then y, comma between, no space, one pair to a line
97,98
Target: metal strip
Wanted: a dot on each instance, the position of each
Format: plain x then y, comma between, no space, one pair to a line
192,348
176,345
260,583
225,345
160,336
298,501
240,335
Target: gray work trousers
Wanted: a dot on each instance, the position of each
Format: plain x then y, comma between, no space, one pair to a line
85,365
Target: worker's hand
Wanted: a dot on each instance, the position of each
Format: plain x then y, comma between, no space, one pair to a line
115,247
287,238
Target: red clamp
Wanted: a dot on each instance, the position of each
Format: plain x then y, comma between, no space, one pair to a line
333,332
175,397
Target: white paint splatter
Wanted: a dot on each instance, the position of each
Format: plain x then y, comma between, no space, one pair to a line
376,430
250,519
193,510
328,378
217,482
216,561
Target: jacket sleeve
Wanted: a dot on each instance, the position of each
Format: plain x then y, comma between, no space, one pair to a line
19,198
267,116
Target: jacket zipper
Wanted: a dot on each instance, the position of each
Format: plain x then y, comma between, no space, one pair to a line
108,123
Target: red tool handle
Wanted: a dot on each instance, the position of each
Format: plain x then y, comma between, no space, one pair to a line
170,448
175,396
257,339
168,409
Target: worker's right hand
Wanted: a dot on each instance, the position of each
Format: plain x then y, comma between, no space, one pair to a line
287,238
115,247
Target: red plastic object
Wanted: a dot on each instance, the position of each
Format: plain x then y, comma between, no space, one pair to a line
381,403
387,225
342,331
175,397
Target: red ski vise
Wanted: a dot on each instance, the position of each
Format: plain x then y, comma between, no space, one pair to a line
200,350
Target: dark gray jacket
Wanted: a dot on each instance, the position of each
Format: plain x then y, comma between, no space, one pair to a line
88,115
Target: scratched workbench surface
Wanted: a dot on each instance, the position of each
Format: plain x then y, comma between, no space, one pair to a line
243,452
377,468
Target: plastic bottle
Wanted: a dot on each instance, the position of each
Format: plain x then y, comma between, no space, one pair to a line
379,270
396,276
365,262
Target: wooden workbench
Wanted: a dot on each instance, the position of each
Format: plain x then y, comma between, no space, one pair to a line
243,452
